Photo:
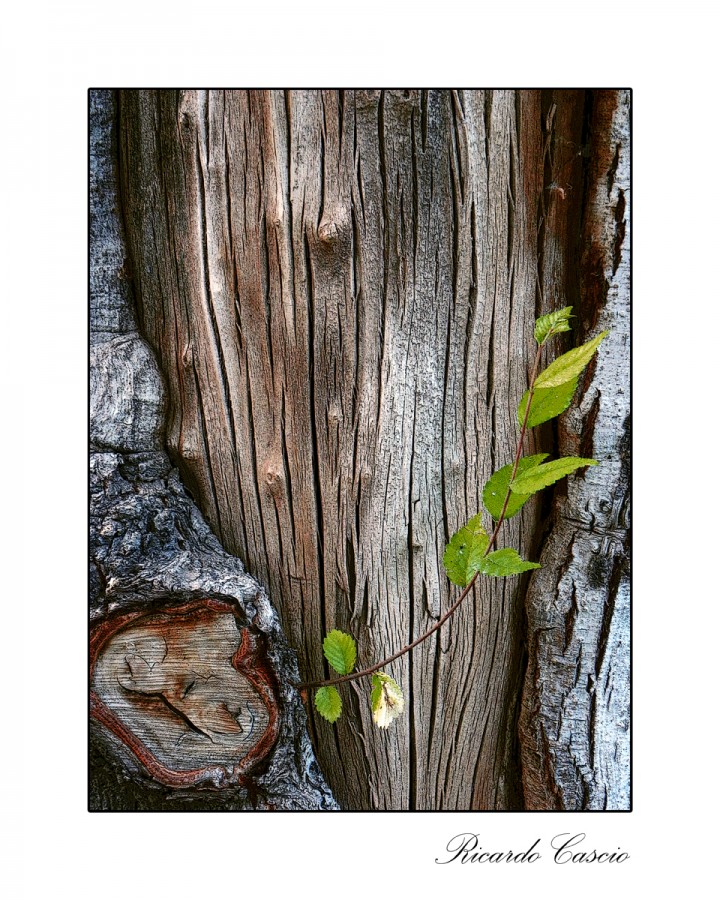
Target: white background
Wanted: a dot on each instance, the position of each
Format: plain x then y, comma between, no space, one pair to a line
51,54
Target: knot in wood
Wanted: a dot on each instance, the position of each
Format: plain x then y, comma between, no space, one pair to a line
334,229
189,447
328,232
275,480
187,689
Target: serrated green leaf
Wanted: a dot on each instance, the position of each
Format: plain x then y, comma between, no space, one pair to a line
505,562
465,550
570,364
554,322
328,703
540,477
386,699
495,490
340,651
547,403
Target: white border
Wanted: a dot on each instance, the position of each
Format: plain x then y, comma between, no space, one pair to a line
51,53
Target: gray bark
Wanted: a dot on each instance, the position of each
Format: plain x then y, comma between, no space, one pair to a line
340,288
153,554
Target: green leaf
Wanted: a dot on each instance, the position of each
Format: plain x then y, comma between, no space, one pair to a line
465,550
570,364
540,477
328,703
386,700
547,403
495,490
506,562
340,651
554,322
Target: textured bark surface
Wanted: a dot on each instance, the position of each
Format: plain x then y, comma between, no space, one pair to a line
575,721
170,610
341,289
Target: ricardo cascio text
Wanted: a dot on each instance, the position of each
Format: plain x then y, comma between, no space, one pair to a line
563,848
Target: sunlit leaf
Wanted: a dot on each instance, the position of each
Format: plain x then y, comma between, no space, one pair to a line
340,651
465,550
505,562
554,322
497,487
386,700
328,703
540,477
547,403
570,364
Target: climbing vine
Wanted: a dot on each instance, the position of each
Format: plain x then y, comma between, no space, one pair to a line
470,552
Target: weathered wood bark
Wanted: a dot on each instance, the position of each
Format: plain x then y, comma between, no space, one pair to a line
341,289
190,700
575,721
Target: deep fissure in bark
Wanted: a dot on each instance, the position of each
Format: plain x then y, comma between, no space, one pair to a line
574,723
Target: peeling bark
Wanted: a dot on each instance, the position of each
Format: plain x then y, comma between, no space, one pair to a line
341,288
170,610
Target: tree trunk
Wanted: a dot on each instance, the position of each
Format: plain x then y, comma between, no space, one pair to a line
341,288
191,704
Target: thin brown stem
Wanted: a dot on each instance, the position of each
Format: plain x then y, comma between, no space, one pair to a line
374,668
466,590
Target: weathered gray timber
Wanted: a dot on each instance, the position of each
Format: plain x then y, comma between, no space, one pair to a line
341,288
171,611
575,720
